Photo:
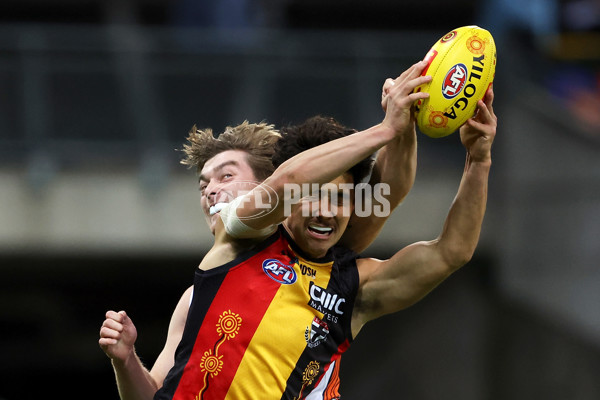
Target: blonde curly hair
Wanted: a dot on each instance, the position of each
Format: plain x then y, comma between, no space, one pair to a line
257,140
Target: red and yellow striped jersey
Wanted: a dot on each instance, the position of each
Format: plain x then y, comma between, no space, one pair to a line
271,324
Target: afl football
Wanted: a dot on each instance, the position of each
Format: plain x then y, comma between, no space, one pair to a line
462,64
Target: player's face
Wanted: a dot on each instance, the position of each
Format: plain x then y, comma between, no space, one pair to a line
223,178
318,222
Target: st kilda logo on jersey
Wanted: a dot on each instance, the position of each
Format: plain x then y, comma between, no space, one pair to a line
316,333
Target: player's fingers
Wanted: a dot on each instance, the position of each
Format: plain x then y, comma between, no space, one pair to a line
476,125
112,324
417,96
106,332
402,101
418,81
406,72
420,67
387,85
414,70
408,87
484,113
124,317
489,95
480,129
114,315
488,99
103,342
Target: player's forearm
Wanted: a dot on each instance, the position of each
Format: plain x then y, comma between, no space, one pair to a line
318,165
396,166
133,380
326,162
462,228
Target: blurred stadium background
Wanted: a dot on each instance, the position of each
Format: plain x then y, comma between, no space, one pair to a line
96,213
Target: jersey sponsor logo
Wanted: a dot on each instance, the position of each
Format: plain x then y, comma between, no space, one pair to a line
316,333
308,271
324,301
454,81
279,271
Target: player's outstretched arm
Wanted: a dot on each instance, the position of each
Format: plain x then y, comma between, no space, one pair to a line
391,285
117,339
393,173
326,162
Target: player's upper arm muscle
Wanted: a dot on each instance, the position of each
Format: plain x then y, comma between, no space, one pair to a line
392,285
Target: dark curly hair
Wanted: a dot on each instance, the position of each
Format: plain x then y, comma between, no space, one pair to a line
313,132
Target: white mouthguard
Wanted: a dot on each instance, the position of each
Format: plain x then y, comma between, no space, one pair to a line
216,208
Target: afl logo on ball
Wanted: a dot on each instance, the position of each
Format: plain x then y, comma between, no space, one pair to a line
279,271
454,81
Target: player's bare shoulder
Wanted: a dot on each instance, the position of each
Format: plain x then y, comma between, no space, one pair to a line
225,249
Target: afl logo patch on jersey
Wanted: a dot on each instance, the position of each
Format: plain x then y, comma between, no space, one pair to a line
454,81
279,271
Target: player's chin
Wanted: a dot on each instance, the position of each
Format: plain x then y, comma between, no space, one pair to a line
211,221
320,243
319,249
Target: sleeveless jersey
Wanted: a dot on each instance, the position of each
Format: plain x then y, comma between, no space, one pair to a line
271,324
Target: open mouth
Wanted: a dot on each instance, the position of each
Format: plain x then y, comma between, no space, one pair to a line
320,230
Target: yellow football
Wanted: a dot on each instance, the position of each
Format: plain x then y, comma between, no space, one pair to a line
462,64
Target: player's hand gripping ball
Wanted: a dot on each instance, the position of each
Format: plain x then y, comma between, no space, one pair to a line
462,65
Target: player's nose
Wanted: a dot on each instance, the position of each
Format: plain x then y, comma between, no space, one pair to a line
211,192
324,209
